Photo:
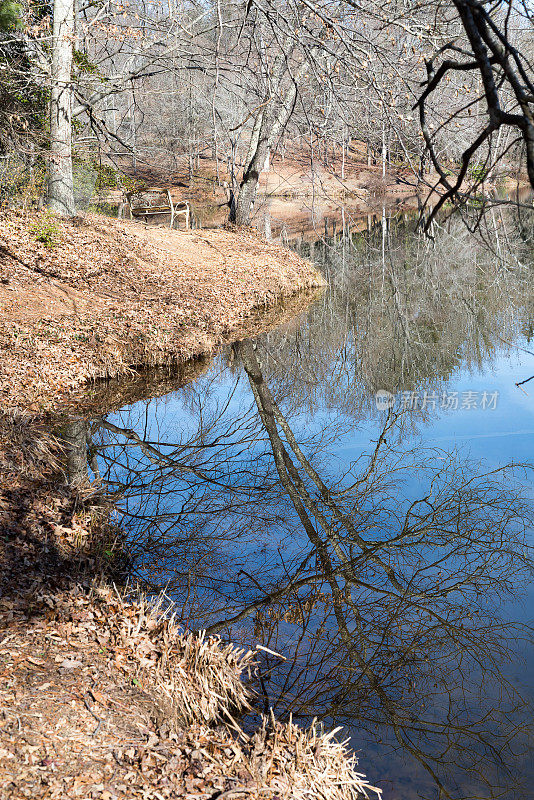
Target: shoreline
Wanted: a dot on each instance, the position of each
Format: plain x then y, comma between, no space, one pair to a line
106,697
111,295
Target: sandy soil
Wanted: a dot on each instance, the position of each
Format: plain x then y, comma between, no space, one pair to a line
110,295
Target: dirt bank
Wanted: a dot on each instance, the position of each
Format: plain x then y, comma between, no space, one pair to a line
100,295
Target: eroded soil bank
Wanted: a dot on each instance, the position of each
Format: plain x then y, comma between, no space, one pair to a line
103,696
103,295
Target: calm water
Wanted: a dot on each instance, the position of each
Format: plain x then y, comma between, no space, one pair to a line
352,490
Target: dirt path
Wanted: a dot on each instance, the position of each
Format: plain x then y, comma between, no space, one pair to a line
112,294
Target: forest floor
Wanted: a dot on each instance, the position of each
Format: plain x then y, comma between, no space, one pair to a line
100,296
102,695
297,174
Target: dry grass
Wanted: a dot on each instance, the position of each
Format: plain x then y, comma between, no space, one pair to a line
51,532
26,447
194,678
302,764
85,710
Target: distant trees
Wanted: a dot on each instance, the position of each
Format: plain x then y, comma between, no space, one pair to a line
282,75
22,103
434,86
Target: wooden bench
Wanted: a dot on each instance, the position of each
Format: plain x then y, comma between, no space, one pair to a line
148,202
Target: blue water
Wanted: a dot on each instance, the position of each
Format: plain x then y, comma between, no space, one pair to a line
211,524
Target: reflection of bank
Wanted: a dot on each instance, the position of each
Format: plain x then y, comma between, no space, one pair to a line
75,438
304,221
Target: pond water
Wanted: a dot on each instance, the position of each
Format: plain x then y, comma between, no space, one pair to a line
352,491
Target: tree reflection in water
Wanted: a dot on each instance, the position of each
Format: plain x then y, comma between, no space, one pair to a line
381,582
407,635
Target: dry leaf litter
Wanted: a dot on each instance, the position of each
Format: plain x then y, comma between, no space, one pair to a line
114,294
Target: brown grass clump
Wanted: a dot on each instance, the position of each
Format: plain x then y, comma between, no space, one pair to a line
301,764
26,447
193,678
109,699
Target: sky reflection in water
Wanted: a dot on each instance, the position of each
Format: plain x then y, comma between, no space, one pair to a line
401,636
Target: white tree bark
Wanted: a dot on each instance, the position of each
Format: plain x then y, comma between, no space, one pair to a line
60,193
268,126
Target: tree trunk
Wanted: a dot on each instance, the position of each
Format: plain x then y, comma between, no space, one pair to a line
268,127
264,136
257,150
384,151
249,183
60,193
74,434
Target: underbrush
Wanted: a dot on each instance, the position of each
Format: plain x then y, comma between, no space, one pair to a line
46,231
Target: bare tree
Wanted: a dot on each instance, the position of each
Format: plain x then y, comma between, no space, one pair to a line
270,122
241,80
493,52
60,190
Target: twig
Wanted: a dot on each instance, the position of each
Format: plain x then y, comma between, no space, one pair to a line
86,700
520,383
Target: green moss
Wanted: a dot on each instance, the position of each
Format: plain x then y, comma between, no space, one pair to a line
46,231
